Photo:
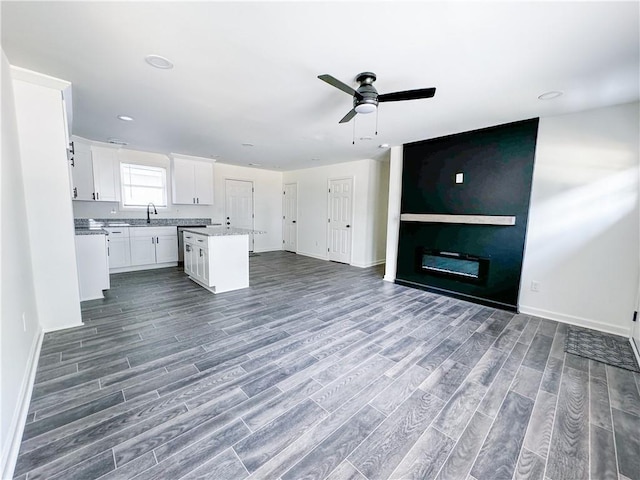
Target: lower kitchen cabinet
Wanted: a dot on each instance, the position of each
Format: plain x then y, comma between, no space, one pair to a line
139,248
167,247
119,248
219,263
93,266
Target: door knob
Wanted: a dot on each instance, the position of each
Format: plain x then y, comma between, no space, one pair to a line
293,221
228,223
348,226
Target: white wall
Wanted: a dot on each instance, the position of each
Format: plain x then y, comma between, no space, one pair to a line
371,185
41,133
393,213
582,239
19,328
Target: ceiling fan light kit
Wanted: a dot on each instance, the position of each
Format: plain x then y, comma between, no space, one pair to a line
366,97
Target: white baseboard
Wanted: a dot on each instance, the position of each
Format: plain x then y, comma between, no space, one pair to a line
389,278
267,249
577,321
12,445
313,255
137,268
63,327
369,264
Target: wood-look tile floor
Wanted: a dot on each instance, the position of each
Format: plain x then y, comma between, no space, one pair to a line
320,371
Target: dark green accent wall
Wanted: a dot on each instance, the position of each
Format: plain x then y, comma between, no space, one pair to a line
497,164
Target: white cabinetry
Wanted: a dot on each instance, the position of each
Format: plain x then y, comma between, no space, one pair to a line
105,173
192,182
82,172
153,245
93,266
119,249
196,260
95,173
220,263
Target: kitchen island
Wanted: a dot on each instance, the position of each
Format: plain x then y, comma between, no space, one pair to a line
217,258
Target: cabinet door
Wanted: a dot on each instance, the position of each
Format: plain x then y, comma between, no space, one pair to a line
189,259
183,183
201,260
203,183
105,171
119,253
166,248
82,172
143,250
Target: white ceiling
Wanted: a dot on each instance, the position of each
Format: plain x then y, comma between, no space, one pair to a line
246,72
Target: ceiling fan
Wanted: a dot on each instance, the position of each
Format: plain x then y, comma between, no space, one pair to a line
366,98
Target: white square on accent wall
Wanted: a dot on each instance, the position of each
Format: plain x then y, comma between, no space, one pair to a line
459,177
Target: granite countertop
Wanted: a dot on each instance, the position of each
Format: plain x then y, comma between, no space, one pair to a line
91,231
96,226
222,231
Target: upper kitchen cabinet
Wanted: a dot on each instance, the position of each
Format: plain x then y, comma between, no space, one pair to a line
82,172
192,181
95,172
105,173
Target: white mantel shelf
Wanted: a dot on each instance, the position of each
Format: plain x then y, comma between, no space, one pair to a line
501,220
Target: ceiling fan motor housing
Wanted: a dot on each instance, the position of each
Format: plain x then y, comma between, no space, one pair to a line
369,95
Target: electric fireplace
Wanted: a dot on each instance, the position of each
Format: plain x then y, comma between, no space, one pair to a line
459,266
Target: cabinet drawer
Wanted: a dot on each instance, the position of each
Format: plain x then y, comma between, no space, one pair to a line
153,231
200,240
118,232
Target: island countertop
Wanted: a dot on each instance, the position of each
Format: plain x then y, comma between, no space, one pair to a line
222,231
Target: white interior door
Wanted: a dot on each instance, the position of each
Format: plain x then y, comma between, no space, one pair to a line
290,217
238,205
340,212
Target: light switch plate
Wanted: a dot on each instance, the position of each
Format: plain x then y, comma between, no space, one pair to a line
459,177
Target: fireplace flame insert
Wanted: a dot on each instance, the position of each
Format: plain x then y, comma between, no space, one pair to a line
458,266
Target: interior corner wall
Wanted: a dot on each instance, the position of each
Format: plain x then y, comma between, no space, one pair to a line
393,212
49,215
20,330
583,235
369,209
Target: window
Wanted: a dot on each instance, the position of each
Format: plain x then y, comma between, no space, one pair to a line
142,184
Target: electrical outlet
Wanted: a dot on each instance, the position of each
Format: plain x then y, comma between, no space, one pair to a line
24,321
535,286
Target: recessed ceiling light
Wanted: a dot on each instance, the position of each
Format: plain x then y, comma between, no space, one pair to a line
247,144
116,141
550,95
314,159
366,138
254,164
125,118
383,145
159,62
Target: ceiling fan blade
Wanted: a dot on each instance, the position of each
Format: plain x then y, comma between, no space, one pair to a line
348,116
407,95
338,84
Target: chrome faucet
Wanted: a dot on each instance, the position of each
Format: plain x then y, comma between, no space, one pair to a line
155,212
